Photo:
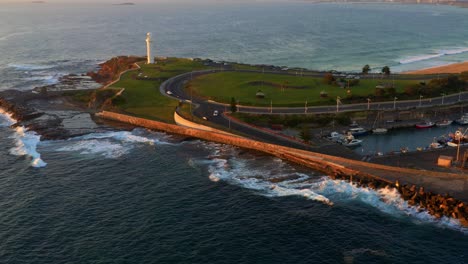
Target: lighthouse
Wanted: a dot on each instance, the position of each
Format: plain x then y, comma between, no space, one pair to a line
148,48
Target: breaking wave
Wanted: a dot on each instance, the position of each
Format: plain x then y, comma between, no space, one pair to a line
438,54
111,144
30,67
26,145
278,179
6,118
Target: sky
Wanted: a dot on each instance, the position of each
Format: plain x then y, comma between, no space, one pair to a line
138,1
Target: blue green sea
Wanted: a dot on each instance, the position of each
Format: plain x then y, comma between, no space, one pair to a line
147,197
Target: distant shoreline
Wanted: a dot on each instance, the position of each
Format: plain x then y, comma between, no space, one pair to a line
449,68
410,2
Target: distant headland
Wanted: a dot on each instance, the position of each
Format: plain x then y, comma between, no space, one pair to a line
125,4
460,3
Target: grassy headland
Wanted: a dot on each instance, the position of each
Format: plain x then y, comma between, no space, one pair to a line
286,90
142,97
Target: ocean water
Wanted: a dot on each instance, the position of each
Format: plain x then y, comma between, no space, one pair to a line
40,43
147,197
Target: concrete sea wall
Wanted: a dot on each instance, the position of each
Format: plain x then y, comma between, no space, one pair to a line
362,173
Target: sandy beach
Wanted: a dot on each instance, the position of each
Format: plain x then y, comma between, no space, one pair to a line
451,68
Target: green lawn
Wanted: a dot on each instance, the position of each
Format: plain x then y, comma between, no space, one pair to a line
244,86
142,97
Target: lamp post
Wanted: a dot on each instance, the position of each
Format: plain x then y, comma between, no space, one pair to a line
394,102
338,101
459,96
420,100
305,108
460,137
443,96
271,106
368,103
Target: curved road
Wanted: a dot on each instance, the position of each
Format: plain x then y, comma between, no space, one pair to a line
175,87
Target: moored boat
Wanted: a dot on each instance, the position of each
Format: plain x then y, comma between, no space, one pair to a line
379,130
350,141
426,124
436,145
335,136
443,123
358,131
463,120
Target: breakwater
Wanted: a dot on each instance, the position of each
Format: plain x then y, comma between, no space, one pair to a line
362,173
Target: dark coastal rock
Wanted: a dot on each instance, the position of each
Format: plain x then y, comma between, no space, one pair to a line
111,69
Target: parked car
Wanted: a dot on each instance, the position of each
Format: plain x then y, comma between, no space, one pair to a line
215,113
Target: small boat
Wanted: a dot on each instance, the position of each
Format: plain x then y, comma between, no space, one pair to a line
444,123
335,136
435,145
358,131
463,120
379,130
452,144
350,141
426,124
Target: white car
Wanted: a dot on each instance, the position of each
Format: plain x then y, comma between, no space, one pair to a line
215,113
169,92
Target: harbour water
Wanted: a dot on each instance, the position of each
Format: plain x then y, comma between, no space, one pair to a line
411,139
146,197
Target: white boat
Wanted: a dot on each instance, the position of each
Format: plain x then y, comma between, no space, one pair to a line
379,130
436,145
455,144
350,141
444,123
451,144
335,136
357,131
463,120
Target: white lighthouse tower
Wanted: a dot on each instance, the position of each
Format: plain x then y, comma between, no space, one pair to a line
148,48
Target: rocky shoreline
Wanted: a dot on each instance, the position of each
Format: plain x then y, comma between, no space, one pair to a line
65,109
55,113
436,205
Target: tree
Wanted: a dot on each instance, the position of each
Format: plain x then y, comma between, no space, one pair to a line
464,76
379,92
233,105
386,70
328,78
366,69
412,89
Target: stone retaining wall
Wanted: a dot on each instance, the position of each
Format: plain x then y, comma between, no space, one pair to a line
362,173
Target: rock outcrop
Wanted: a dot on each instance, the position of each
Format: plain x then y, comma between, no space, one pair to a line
111,69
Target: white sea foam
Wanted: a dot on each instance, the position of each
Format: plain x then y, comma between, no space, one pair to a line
48,79
281,181
30,67
26,145
104,148
435,55
239,173
109,144
6,118
420,58
5,37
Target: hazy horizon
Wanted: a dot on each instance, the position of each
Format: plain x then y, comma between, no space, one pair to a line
142,1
